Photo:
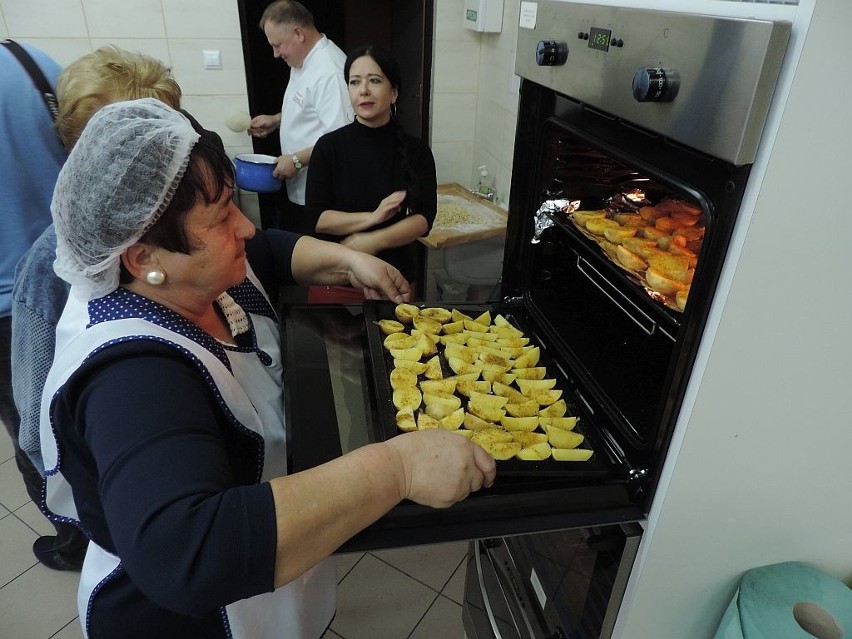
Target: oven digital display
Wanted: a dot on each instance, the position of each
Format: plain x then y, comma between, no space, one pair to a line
599,38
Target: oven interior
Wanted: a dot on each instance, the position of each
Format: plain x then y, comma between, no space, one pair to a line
625,349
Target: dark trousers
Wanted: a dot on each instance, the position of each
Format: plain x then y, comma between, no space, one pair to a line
9,415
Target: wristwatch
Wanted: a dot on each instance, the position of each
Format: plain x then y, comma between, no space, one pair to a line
297,162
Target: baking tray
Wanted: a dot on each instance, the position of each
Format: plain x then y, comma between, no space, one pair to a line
381,363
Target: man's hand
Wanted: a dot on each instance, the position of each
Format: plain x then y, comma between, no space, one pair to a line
262,125
284,168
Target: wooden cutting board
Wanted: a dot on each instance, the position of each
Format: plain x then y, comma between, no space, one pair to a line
482,218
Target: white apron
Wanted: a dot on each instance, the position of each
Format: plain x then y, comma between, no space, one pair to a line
301,609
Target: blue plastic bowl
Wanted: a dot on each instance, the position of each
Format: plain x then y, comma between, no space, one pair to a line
253,172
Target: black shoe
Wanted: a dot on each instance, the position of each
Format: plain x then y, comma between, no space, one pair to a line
56,556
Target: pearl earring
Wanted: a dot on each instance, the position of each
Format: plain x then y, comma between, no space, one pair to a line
155,277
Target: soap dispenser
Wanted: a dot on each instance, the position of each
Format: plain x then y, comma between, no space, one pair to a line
483,189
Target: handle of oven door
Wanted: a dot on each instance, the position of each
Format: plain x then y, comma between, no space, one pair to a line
482,589
649,326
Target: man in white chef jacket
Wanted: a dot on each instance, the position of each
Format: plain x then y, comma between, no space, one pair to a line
316,100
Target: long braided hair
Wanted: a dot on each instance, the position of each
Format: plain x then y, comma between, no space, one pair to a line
391,71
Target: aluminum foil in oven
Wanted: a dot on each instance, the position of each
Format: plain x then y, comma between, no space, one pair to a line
547,212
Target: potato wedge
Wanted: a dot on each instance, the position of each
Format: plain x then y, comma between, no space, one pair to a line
406,313
445,386
465,377
662,284
505,331
501,450
494,357
557,409
427,422
447,402
427,325
483,399
532,384
459,351
499,320
545,397
536,452
415,367
629,260
452,338
461,367
412,354
528,438
479,386
458,316
484,318
528,408
496,376
536,372
400,378
512,342
492,434
428,344
561,438
440,315
483,411
451,328
405,420
616,234
521,423
528,359
582,217
388,327
454,420
399,341
565,423
464,432
681,298
407,398
511,394
433,368
571,454
473,422
597,225
474,326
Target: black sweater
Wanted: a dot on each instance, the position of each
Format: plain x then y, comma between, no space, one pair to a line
355,167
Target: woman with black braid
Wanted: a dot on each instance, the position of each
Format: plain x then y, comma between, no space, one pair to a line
371,187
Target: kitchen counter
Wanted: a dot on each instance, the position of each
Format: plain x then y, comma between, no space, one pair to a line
482,218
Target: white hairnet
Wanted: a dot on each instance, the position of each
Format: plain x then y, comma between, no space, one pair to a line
117,181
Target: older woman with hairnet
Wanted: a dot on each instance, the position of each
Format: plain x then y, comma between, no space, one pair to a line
162,421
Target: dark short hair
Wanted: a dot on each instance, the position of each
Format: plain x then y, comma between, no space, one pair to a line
207,175
287,12
383,58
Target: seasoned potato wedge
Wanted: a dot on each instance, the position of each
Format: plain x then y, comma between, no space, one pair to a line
388,327
474,326
399,341
427,422
527,385
520,423
512,395
486,412
477,386
536,452
473,422
459,351
484,318
496,376
451,328
406,313
405,420
461,367
528,408
446,386
411,354
415,367
458,316
557,409
492,434
441,315
407,398
464,432
561,438
571,454
433,368
501,450
527,438
545,397
495,401
400,378
528,359
454,420
452,338
427,325
536,372
566,423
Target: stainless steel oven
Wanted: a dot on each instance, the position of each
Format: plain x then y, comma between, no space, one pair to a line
636,134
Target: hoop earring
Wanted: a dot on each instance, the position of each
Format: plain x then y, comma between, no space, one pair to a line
155,277
393,110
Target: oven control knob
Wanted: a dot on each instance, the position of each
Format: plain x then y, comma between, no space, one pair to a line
550,53
656,85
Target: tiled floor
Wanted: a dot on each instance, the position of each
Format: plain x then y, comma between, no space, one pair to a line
413,593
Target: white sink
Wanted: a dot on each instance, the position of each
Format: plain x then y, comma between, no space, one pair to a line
475,264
